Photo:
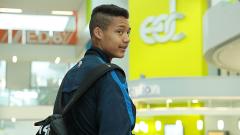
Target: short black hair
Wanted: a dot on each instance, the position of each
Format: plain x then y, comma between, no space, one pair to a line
101,16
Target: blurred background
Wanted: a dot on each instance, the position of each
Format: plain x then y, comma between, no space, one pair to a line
182,64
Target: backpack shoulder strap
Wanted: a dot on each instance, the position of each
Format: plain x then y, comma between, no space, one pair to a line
90,78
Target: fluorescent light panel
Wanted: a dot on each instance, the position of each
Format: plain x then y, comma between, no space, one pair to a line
10,10
62,12
238,124
33,22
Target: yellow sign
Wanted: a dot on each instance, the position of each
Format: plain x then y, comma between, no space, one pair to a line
166,38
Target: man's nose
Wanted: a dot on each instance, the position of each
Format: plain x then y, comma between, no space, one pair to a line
126,38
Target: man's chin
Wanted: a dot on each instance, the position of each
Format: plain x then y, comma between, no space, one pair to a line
119,56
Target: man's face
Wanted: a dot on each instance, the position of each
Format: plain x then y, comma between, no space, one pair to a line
115,38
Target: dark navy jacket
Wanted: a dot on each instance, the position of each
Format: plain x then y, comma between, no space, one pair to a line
106,108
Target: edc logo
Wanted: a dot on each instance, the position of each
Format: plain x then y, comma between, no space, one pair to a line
161,29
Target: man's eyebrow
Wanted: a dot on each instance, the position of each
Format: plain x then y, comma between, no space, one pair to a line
122,26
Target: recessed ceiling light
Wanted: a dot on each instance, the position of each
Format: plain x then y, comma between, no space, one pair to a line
13,119
220,124
169,101
14,59
158,125
57,60
195,101
199,124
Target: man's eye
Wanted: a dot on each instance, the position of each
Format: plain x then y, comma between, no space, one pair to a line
120,32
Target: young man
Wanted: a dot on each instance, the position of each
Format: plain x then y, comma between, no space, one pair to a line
106,108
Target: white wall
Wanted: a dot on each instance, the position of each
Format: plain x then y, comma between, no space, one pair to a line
186,87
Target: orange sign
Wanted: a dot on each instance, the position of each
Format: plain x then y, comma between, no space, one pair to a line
17,36
40,37
43,37
3,36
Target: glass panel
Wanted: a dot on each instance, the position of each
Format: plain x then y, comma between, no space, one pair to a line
45,74
3,94
2,74
46,78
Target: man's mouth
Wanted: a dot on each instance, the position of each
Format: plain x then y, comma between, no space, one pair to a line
123,47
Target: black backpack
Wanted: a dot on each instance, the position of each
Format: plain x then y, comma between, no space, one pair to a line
54,124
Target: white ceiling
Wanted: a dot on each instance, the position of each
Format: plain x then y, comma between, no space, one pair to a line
39,6
227,56
222,36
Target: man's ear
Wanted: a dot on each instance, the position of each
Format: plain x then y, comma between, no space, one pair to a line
98,33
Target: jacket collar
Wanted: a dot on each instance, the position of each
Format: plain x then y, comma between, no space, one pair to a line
98,52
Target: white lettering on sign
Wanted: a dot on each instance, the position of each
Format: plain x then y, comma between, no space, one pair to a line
32,37
161,29
43,37
57,38
142,90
